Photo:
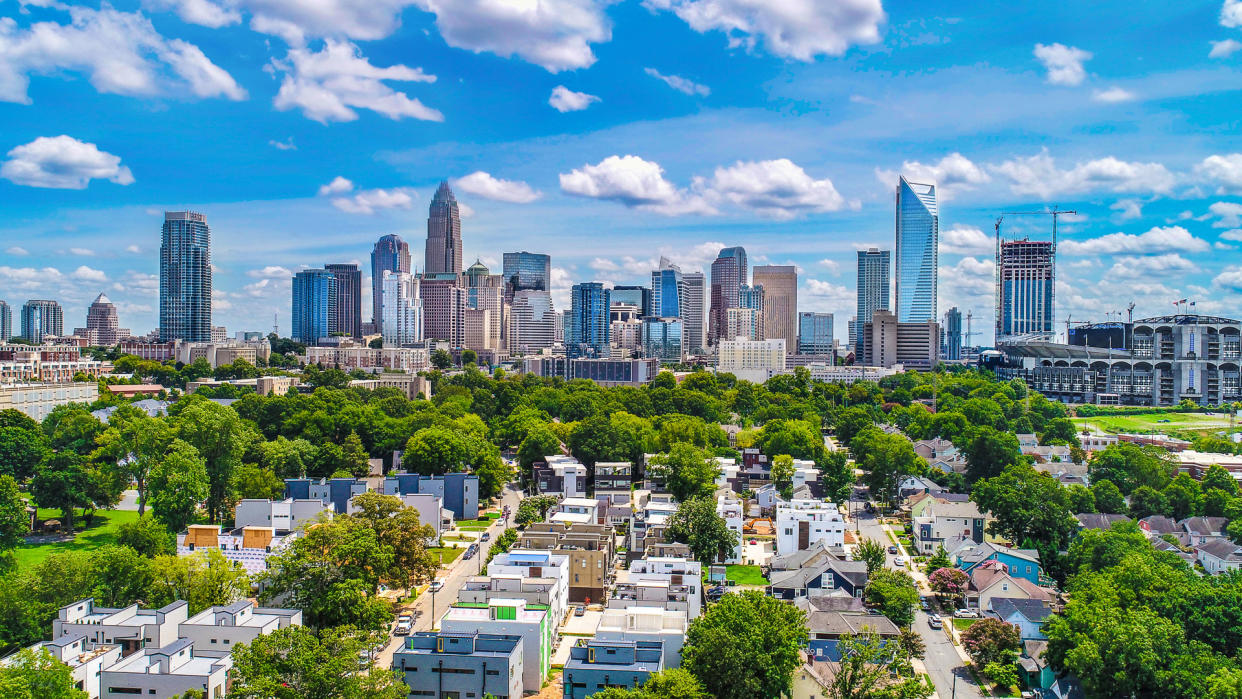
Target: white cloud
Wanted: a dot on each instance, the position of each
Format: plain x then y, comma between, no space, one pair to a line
1038,175
966,240
271,272
87,274
119,52
18,251
296,20
798,29
776,188
484,185
1143,266
1128,209
328,85
1224,246
133,249
1156,240
367,201
1235,235
564,100
1231,13
62,162
1225,49
1113,95
680,84
630,265
822,296
201,12
634,182
554,34
82,252
1225,169
338,185
831,265
1230,214
1064,63
953,173
1229,278
286,144
970,280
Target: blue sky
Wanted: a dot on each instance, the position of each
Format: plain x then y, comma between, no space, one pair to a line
610,133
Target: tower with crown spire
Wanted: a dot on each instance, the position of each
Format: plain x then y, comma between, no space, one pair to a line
443,233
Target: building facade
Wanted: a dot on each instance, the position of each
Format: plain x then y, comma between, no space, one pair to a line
526,271
348,298
6,322
587,326
41,318
390,254
444,305
694,315
638,296
103,328
443,254
315,313
532,326
815,333
401,309
918,256
953,334
185,277
887,342
1025,277
664,339
752,360
780,301
729,272
873,286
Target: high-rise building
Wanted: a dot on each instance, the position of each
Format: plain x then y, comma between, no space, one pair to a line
887,342
626,332
752,297
40,318
315,312
637,296
102,326
444,302
587,326
814,333
663,339
443,233
390,254
854,341
742,323
485,292
694,312
348,298
185,278
729,272
953,333
401,309
526,270
1025,278
918,235
6,322
780,301
873,286
532,322
668,290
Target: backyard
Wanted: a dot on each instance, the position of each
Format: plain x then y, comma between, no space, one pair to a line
745,575
103,531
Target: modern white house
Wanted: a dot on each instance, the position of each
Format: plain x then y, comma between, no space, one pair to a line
280,515
575,511
164,672
637,623
215,631
673,584
431,511
513,617
538,577
730,508
85,662
802,522
132,628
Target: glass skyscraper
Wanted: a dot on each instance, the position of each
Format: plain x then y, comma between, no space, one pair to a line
668,290
814,333
873,286
918,235
587,325
953,333
526,271
780,302
315,311
390,254
637,296
443,255
348,298
185,278
1026,277
663,339
729,272
403,309
42,317
6,322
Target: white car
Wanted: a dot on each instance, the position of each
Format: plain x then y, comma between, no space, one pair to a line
405,625
900,562
435,586
966,614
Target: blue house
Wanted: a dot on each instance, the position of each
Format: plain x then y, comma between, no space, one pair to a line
454,665
825,576
459,491
1026,614
1021,563
333,491
594,666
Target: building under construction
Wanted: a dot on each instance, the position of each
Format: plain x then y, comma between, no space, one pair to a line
1025,281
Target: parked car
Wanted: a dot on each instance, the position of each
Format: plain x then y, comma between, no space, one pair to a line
435,586
485,537
893,550
934,621
579,609
900,562
966,614
924,604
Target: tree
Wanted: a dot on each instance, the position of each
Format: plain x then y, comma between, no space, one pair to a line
539,443
988,452
469,356
147,536
37,675
434,451
298,663
1131,466
21,451
203,579
1185,496
1146,501
1003,675
178,484
894,593
1217,477
397,527
837,475
687,472
220,437
122,576
1108,497
674,683
912,643
534,509
884,458
252,481
782,474
61,484
135,442
797,438
949,583
991,640
696,524
872,669
616,437
1026,503
851,421
1080,499
356,457
14,522
872,552
939,560
746,646
1111,651
441,359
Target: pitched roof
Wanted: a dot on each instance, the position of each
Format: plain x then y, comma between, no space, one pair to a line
1223,549
1159,524
984,577
1204,525
977,553
836,623
1032,609
830,603
1098,521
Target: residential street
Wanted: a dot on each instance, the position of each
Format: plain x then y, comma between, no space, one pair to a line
942,660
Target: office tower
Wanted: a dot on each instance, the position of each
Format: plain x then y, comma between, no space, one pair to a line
814,333
102,326
728,276
401,309
918,234
390,254
348,298
443,234
664,339
625,325
1025,276
558,327
6,322
668,290
185,278
854,341
41,318
742,323
587,325
526,270
694,313
444,302
887,341
532,321
637,296
780,301
485,293
953,334
752,297
873,284
315,311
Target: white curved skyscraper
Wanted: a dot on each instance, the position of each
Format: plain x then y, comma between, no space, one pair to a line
918,235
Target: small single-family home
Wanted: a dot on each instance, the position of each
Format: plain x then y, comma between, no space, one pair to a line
1203,529
824,575
942,520
1099,521
1219,555
1155,526
1021,563
991,580
1026,614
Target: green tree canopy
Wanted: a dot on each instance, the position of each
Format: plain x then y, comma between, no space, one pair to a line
299,663
696,524
894,593
687,471
747,646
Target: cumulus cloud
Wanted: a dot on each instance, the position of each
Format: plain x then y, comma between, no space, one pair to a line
87,274
484,185
17,250
971,278
1231,13
1039,175
798,29
1226,170
82,252
634,182
1224,49
330,84
553,34
366,201
1235,235
286,144
564,100
1064,63
1230,214
62,162
952,174
271,272
338,185
1127,209
831,265
1113,95
201,12
966,240
680,84
119,52
1229,278
1157,240
774,188
1142,266
822,296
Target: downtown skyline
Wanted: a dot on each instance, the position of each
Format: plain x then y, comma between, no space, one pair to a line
795,160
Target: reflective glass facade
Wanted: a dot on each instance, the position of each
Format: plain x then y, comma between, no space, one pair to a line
390,254
526,271
637,296
668,290
873,286
41,317
1026,288
315,299
587,324
918,234
663,338
6,322
814,333
185,278
348,298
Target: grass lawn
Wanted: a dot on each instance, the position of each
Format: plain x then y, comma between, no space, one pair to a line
475,524
745,575
963,624
1151,422
450,553
101,533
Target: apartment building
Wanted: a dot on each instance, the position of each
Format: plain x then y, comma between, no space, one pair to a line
591,551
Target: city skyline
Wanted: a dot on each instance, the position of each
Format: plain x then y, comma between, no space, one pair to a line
540,153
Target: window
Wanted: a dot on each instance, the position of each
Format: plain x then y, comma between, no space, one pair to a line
124,690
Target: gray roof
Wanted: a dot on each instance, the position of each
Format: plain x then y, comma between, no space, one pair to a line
854,571
838,624
800,559
1033,610
1204,525
1221,548
1159,524
830,603
1098,521
974,553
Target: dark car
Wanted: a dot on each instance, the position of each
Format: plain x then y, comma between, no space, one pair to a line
485,537
893,550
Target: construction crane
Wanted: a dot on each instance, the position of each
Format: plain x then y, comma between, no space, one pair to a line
969,333
1055,213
